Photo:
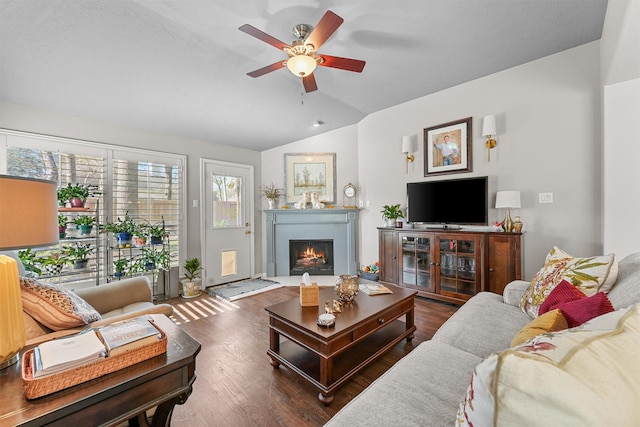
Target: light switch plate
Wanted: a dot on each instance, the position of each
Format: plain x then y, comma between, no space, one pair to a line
545,197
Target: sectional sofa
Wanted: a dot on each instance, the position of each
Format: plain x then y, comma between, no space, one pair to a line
426,387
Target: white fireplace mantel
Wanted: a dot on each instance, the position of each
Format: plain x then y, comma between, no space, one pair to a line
340,225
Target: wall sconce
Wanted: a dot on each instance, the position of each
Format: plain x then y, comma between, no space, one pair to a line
489,130
409,146
508,200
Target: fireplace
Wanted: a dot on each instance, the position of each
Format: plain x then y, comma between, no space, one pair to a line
311,256
337,226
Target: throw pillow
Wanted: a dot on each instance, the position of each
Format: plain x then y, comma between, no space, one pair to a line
551,321
582,376
563,293
55,307
579,311
589,275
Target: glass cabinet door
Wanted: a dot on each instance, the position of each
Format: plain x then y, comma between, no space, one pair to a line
416,262
458,266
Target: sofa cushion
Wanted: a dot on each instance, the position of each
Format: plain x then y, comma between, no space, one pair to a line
626,291
563,293
582,310
55,307
397,398
551,321
590,275
483,325
587,375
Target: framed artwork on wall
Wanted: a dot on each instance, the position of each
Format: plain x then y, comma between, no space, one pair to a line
447,148
310,173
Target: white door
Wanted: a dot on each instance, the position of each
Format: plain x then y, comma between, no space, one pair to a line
226,213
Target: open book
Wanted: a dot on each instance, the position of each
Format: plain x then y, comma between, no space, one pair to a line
374,289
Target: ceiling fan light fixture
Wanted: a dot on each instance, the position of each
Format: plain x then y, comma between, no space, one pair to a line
301,65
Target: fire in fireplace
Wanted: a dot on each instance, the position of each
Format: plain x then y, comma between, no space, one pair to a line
311,256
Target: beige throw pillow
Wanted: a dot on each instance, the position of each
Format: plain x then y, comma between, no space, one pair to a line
590,275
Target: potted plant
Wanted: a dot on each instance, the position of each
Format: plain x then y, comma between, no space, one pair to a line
272,194
123,230
391,214
78,254
84,223
154,232
120,267
77,194
155,258
62,226
191,283
29,260
63,196
52,265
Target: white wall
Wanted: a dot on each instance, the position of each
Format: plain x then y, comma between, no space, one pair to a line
620,63
26,119
548,141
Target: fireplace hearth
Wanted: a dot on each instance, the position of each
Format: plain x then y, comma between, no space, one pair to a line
311,256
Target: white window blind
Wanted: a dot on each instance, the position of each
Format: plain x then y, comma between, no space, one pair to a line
146,184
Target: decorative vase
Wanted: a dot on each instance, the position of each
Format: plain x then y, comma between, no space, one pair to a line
347,287
124,240
76,202
85,229
191,288
517,225
80,264
273,203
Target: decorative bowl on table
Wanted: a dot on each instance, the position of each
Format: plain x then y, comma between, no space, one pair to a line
347,287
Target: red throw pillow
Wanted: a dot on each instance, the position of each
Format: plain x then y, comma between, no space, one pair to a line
582,310
563,293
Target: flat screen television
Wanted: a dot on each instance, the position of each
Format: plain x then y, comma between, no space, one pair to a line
452,201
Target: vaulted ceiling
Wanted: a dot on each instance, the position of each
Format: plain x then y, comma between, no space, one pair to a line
180,66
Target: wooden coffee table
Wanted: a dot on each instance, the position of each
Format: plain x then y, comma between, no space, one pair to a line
328,357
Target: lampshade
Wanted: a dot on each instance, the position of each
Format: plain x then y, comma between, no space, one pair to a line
409,144
301,65
507,199
489,125
28,218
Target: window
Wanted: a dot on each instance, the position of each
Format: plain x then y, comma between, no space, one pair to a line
146,185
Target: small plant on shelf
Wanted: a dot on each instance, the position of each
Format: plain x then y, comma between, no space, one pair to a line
53,263
391,213
30,261
120,266
155,258
84,223
154,232
62,226
78,253
123,229
77,194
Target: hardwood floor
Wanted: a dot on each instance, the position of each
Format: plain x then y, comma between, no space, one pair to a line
236,385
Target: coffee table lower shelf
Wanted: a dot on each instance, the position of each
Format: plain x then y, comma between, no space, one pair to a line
342,366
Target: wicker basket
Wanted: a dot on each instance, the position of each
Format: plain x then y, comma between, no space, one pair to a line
369,276
38,387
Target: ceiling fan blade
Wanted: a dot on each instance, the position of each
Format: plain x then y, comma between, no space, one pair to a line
309,83
264,70
328,24
261,35
348,64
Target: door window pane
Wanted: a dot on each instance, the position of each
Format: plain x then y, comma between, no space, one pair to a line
226,201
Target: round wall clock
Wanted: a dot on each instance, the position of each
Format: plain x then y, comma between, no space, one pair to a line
349,195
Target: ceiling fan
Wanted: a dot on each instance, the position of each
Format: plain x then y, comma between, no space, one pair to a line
303,52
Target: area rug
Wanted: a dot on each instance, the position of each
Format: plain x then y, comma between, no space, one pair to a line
245,288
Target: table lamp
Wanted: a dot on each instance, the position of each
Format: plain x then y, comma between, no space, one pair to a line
28,219
508,199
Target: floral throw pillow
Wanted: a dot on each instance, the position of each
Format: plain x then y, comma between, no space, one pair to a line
590,275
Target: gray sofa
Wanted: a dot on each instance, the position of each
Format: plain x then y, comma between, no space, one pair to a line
425,387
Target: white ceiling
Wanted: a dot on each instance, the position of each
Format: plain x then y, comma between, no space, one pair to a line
179,66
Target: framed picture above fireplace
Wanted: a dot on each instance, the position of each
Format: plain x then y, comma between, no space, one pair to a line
307,173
